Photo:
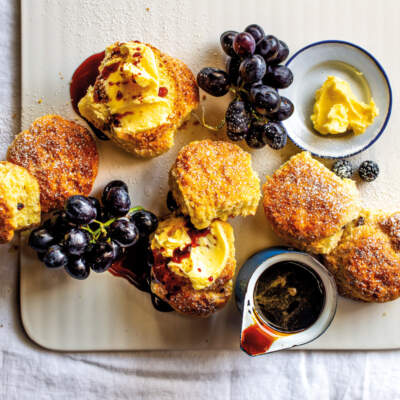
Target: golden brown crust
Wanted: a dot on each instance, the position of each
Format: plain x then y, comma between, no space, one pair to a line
19,200
158,140
214,179
307,204
199,303
61,154
6,227
366,263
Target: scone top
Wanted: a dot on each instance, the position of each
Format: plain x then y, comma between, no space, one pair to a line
214,179
308,205
366,262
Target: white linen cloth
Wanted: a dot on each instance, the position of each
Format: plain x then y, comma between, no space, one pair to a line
29,372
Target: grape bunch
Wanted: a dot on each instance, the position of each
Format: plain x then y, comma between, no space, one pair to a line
254,74
88,235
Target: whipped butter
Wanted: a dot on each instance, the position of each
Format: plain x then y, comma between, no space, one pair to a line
337,110
207,251
130,94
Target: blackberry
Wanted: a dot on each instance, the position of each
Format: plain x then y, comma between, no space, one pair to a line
343,169
368,171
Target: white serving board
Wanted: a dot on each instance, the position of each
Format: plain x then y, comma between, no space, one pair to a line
106,313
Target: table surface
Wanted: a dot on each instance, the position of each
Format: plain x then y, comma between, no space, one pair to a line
26,369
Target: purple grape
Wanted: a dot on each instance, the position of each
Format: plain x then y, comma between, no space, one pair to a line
214,81
80,210
232,68
275,135
268,48
265,99
123,232
76,241
101,256
109,186
278,76
255,138
283,52
41,239
55,257
252,69
77,268
226,40
244,44
285,110
256,31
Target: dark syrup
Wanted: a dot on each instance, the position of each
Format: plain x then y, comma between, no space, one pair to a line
84,76
135,266
289,296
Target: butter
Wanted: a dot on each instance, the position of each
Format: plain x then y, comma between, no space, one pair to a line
130,94
337,110
207,257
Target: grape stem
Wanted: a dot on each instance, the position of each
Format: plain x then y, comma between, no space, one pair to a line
204,124
101,230
237,92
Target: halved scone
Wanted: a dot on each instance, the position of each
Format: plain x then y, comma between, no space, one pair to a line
193,269
140,97
19,200
366,262
308,205
214,179
61,155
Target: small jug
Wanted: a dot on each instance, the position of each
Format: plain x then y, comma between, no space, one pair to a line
258,336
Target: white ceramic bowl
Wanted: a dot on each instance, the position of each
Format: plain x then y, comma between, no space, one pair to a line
311,66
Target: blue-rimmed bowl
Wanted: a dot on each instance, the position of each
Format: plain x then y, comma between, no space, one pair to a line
311,66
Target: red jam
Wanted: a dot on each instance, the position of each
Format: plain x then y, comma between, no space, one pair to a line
84,76
163,91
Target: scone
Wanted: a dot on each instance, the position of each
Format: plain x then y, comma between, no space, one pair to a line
308,205
193,269
61,154
140,97
214,179
19,200
366,262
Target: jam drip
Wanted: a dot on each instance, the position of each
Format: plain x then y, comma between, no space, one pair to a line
84,76
135,267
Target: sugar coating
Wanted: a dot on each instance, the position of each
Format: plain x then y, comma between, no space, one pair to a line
214,179
307,204
366,263
61,154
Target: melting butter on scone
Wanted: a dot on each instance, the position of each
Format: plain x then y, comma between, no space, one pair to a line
308,205
19,200
140,97
214,179
193,269
204,261
366,262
